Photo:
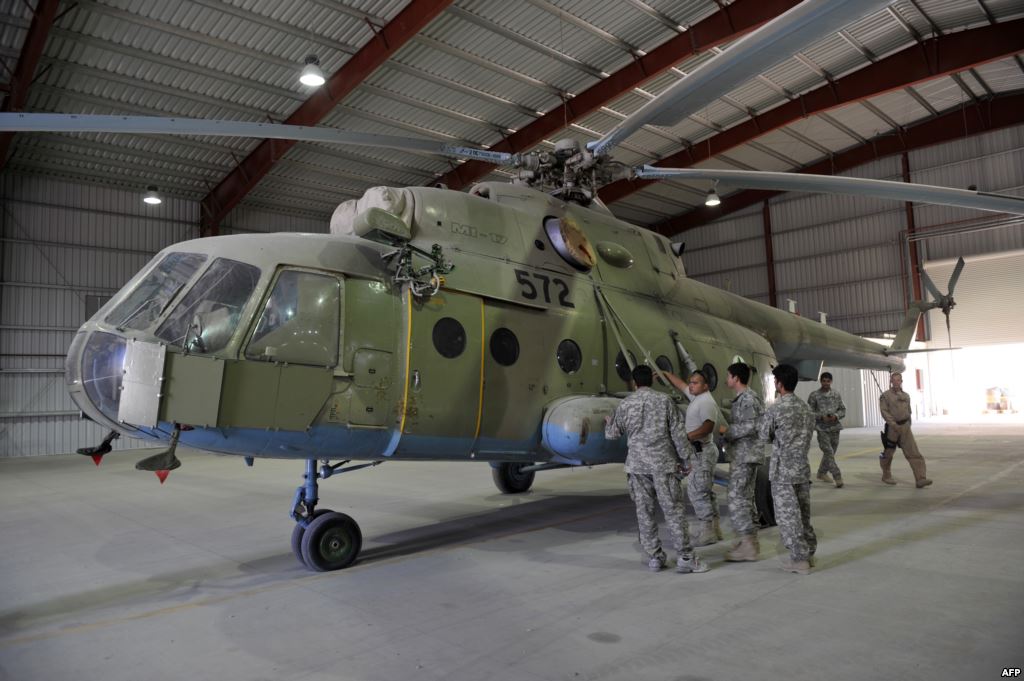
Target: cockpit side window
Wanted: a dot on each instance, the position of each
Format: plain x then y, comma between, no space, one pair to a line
208,315
300,321
150,297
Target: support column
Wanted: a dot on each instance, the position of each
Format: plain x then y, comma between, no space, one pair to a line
915,260
769,254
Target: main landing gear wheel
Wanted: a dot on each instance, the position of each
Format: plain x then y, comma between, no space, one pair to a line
299,530
763,497
510,478
331,542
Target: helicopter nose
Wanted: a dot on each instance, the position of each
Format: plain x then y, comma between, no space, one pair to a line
94,371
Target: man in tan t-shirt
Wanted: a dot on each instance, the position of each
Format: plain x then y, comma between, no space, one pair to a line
895,407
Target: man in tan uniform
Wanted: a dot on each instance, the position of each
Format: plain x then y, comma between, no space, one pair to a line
895,407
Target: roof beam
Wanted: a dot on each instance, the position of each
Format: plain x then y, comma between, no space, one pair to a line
930,59
254,167
966,121
25,71
743,17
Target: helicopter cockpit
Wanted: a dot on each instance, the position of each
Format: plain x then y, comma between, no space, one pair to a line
195,304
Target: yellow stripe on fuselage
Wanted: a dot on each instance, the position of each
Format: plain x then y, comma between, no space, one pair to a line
408,356
480,403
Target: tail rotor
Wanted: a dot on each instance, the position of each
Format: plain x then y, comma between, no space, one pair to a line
945,302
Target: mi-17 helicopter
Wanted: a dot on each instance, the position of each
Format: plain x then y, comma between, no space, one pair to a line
495,326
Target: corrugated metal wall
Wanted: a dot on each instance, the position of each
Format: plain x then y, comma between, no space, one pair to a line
873,384
63,249
730,255
843,255
994,163
250,219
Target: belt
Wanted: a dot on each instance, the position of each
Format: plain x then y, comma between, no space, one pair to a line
900,423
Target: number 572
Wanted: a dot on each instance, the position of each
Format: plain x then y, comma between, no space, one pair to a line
530,292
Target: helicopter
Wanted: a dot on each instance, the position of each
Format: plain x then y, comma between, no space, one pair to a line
498,325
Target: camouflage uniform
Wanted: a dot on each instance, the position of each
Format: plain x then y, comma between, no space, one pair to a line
824,404
895,407
701,482
747,454
657,446
788,424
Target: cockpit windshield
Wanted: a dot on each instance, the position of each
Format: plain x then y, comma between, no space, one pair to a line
208,315
150,298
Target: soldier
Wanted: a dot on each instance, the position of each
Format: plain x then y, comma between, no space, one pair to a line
788,424
747,456
895,407
701,416
827,405
657,451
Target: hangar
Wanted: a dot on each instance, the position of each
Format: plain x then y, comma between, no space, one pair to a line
110,573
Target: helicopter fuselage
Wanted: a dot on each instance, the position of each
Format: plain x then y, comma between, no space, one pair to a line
308,346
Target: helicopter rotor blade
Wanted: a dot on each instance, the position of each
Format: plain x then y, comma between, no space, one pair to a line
949,333
930,285
833,184
955,277
758,51
154,125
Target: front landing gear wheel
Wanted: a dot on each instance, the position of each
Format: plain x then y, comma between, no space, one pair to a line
331,542
299,530
510,478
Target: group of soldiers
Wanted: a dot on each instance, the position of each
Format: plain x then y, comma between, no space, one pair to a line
664,448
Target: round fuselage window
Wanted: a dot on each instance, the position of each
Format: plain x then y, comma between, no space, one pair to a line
449,337
569,357
504,347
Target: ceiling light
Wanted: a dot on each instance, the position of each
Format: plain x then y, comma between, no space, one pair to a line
712,199
151,197
311,73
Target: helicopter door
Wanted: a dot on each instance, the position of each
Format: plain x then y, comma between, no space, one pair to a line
445,375
288,369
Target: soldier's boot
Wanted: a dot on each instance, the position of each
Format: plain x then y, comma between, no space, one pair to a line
706,534
657,563
693,564
748,548
920,474
800,567
886,471
839,481
824,477
718,531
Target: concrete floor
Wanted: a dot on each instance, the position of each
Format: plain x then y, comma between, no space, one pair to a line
107,575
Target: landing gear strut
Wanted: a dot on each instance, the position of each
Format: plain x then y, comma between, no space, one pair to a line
763,497
322,539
